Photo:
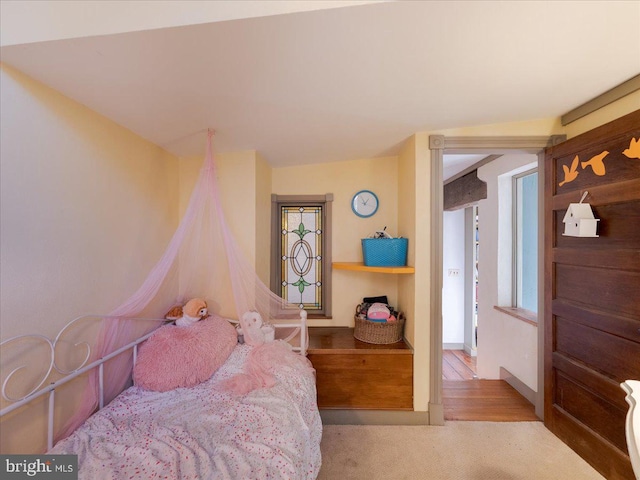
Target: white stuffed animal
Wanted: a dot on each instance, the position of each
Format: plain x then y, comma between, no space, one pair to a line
254,330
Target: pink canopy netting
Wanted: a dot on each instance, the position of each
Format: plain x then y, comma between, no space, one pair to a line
202,260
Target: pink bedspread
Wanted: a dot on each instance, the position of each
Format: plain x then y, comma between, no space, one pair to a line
203,432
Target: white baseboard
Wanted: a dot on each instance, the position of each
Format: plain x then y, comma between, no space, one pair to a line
453,346
470,351
518,385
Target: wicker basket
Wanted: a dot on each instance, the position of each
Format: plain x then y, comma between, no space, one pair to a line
378,332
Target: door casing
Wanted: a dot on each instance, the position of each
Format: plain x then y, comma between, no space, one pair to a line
438,146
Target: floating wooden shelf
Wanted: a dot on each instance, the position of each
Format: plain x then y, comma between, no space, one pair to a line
360,267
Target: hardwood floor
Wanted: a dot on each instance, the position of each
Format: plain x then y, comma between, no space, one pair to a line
458,365
466,397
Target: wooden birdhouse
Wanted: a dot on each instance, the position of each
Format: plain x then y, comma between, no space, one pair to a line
579,221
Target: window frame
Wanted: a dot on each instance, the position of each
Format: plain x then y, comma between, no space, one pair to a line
515,230
326,201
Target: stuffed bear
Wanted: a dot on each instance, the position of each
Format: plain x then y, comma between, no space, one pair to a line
254,331
192,311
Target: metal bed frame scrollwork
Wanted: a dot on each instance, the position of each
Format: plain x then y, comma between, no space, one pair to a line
68,375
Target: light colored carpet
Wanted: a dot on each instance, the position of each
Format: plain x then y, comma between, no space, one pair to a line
458,450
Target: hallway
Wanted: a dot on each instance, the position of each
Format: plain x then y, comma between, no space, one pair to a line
465,397
458,365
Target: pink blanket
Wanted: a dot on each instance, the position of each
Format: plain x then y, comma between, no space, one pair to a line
262,363
204,432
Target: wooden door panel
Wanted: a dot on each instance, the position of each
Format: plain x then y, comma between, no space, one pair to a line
609,460
608,354
601,288
592,293
614,168
619,258
594,381
591,410
620,222
617,228
608,322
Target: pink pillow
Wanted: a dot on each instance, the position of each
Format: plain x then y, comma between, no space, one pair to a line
176,357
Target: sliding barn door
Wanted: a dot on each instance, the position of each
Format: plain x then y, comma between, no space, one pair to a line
592,291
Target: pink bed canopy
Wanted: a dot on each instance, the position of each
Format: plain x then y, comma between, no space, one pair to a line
201,254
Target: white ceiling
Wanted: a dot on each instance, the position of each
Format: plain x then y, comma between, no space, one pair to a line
344,83
454,164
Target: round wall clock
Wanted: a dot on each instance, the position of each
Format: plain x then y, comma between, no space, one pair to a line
364,203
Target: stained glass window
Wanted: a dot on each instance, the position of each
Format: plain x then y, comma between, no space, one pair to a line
301,247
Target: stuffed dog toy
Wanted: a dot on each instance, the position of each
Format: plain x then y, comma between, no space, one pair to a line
193,311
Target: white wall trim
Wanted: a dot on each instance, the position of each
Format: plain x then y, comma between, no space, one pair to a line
518,386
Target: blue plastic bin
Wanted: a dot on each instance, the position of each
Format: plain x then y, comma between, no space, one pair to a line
384,252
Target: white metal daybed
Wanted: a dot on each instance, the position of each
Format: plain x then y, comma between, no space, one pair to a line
198,432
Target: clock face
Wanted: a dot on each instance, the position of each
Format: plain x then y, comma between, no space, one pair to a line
364,203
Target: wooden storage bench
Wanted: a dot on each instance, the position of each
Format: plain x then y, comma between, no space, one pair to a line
356,375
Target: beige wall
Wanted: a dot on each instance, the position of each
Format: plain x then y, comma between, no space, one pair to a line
246,183
263,219
344,179
244,179
86,210
414,218
237,181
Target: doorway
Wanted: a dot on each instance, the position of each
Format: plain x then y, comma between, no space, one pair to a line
439,146
460,286
465,395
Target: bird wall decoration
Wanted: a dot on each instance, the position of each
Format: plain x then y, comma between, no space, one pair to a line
597,162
